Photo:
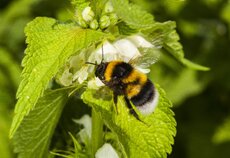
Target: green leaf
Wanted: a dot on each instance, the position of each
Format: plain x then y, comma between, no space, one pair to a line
33,136
124,29
194,65
165,35
149,140
97,132
222,134
80,5
50,44
77,146
132,14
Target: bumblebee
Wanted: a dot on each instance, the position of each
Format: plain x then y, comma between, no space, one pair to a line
124,79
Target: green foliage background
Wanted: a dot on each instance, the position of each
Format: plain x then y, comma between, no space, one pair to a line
201,99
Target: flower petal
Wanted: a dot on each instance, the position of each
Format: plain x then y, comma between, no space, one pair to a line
86,121
87,14
81,75
109,51
127,49
95,83
106,151
139,41
66,78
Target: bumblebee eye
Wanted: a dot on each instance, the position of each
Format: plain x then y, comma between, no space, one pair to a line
100,71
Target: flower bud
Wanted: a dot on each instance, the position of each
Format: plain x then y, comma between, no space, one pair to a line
104,21
108,7
113,18
87,14
93,24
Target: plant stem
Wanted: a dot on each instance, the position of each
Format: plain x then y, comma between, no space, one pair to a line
97,132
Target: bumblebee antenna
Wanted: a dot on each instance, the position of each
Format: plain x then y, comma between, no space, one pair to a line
90,63
101,59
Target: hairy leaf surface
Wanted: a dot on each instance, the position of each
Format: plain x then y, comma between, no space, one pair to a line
33,136
132,14
164,35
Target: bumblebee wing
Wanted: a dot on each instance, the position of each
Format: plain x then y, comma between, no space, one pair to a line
148,57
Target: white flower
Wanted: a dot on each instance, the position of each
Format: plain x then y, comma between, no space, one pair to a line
106,151
85,133
109,51
77,61
66,78
124,49
80,69
87,14
81,75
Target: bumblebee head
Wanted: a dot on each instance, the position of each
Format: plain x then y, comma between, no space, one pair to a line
100,70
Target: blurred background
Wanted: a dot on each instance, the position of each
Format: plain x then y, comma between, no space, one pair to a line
201,99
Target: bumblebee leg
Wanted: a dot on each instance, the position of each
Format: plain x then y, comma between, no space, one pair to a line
131,110
115,101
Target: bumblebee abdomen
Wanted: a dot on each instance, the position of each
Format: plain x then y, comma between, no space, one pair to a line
134,83
125,80
146,100
145,94
132,90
